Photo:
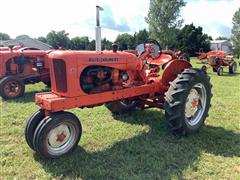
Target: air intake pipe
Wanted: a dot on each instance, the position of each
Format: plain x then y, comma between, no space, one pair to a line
98,29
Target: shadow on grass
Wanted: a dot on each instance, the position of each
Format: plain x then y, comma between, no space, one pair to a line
155,154
230,75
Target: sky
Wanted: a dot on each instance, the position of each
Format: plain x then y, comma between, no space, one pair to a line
77,17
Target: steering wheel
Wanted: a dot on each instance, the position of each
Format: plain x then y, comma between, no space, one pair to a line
141,48
155,45
152,41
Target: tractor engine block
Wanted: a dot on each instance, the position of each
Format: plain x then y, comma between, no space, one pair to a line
95,79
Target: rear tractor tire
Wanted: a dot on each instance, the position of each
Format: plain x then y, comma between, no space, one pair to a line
11,87
220,71
122,106
57,135
233,68
187,101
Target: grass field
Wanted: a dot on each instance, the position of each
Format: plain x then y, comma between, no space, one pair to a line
133,146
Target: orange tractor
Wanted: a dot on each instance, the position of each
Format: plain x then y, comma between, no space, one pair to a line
217,60
20,66
121,81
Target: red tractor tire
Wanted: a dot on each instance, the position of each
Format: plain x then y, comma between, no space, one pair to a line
233,68
187,101
11,87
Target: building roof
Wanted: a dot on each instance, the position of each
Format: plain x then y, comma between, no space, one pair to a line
219,41
28,42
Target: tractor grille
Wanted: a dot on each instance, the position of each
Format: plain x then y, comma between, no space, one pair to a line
60,75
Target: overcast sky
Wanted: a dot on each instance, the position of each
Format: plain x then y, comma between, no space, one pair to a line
38,17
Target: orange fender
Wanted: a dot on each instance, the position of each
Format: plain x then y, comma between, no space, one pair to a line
172,69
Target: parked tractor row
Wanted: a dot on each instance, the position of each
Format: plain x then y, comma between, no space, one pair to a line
25,65
217,60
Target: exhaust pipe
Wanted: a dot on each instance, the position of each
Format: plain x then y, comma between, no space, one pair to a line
98,29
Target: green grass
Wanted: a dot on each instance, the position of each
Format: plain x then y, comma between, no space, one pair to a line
133,146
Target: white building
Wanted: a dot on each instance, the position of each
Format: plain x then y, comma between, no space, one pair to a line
223,45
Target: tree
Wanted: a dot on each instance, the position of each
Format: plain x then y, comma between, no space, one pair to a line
163,19
42,39
125,41
106,44
222,38
91,45
58,39
236,32
22,36
4,37
140,37
80,43
191,39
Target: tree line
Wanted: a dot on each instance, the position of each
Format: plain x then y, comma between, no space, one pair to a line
165,26
189,39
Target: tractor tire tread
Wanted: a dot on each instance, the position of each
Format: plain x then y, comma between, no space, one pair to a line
173,99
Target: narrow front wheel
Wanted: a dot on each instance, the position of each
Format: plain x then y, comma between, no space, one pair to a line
31,126
57,135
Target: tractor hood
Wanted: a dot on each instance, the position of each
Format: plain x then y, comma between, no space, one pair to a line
66,67
125,60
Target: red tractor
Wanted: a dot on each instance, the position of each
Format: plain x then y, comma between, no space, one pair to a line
20,66
122,82
217,60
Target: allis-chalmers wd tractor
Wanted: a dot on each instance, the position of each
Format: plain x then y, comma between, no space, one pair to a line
217,60
20,66
122,81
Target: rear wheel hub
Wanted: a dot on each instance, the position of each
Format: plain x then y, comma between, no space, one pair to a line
195,104
12,89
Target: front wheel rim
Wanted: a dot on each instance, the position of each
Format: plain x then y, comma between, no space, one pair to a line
195,104
61,138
